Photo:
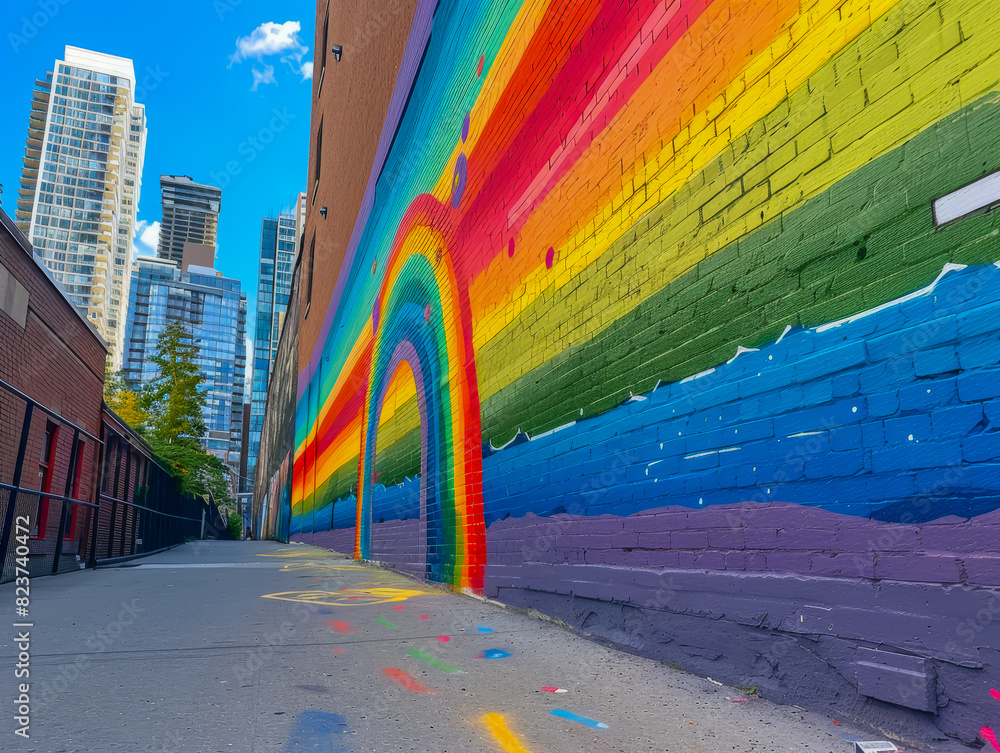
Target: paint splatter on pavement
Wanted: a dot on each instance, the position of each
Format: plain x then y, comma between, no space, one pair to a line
507,740
400,677
579,719
425,657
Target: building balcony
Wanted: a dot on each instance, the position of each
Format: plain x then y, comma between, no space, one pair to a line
30,161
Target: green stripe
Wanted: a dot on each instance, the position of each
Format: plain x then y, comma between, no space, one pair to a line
866,240
425,657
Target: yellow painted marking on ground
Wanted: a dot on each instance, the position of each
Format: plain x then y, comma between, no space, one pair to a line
506,739
349,597
291,566
291,553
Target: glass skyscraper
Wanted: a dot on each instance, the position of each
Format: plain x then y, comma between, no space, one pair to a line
80,183
279,238
190,214
213,309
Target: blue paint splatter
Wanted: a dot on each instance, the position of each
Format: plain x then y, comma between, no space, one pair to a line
482,629
324,611
319,732
495,653
577,718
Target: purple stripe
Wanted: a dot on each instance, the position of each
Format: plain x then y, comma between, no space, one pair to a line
420,34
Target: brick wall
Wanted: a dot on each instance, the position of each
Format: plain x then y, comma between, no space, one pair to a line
696,354
57,360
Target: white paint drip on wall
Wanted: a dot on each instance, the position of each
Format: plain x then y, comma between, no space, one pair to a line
949,267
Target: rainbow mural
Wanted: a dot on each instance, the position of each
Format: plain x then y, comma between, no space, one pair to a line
585,201
657,286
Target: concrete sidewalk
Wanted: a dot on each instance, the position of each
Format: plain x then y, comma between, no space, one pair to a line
256,646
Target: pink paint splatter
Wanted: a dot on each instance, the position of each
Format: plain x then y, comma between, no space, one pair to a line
344,628
988,734
399,608
990,737
427,313
479,69
424,617
337,650
510,249
444,638
550,257
553,689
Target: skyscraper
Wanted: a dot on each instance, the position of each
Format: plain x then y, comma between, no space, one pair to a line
279,242
190,213
81,180
213,310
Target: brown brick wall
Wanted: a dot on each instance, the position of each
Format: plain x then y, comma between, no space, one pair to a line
351,99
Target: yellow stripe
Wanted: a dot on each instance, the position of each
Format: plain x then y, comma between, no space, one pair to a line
506,739
840,132
830,25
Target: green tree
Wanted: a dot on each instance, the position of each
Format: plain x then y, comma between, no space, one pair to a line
235,526
174,400
174,405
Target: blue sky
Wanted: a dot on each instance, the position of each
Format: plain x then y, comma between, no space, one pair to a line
227,89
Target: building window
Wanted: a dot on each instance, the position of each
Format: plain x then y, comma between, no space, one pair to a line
309,281
45,479
77,471
326,33
319,160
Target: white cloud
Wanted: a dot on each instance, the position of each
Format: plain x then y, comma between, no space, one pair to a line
265,76
146,238
271,39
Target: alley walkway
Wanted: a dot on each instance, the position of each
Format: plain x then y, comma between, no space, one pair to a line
254,646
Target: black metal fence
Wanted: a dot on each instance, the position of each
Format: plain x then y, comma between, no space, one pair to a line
93,499
141,511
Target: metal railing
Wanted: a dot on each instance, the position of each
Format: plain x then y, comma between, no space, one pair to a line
95,499
141,509
26,512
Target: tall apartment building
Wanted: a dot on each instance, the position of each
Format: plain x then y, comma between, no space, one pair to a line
214,310
190,213
81,180
279,243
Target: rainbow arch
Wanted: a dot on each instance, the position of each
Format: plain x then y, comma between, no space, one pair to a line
417,322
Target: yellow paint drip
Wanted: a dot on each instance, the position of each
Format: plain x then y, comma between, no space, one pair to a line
507,740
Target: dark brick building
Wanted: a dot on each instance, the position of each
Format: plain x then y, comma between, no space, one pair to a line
49,354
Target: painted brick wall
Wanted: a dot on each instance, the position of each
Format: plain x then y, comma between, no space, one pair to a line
644,320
